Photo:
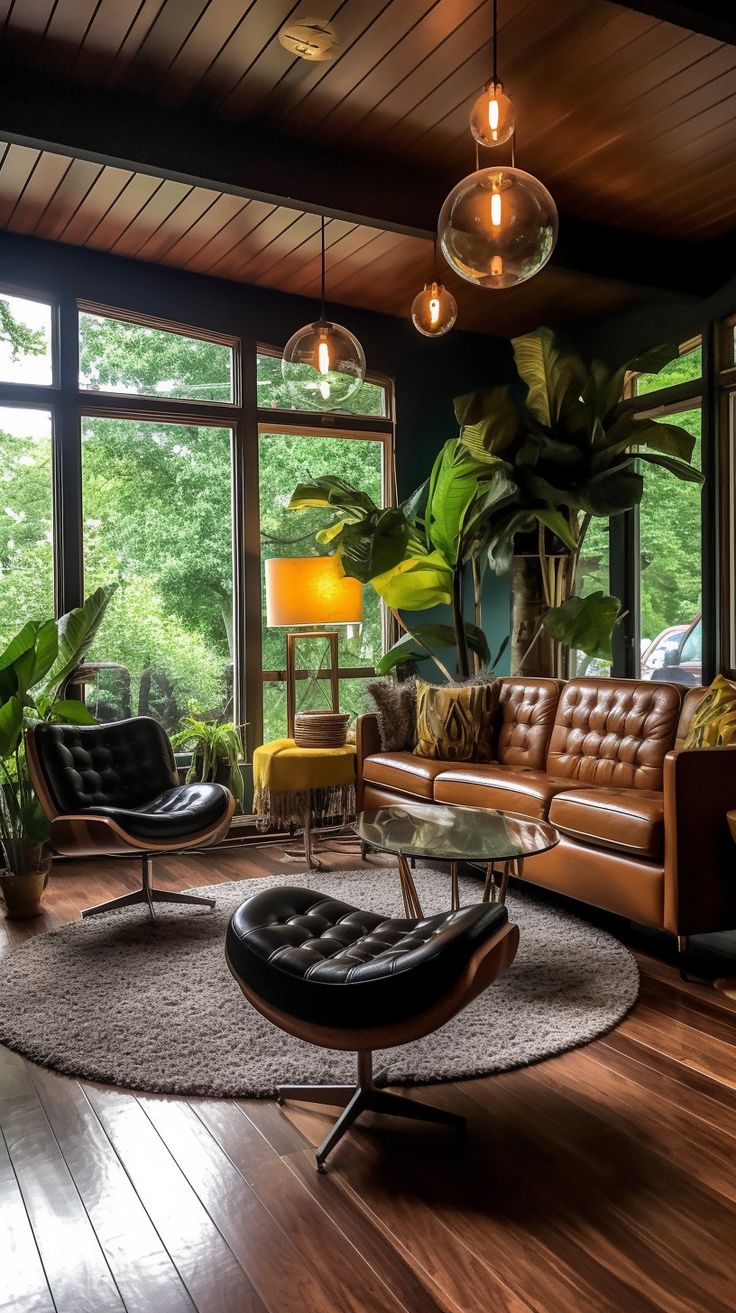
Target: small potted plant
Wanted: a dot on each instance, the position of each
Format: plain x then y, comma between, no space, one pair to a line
35,669
217,753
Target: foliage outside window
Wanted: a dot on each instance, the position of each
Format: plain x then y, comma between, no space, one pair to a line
116,355
26,541
25,341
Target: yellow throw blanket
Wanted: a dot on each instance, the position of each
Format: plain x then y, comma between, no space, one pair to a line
289,781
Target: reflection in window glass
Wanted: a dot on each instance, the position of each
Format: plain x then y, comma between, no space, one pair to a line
26,549
593,576
118,356
273,392
683,369
285,461
157,520
25,341
669,536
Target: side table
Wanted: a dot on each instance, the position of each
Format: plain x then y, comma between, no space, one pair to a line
727,984
294,786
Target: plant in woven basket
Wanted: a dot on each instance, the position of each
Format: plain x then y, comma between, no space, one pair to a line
217,752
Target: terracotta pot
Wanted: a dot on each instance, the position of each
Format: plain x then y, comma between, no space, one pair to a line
22,888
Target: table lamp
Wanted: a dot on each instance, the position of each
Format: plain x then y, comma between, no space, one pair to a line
303,591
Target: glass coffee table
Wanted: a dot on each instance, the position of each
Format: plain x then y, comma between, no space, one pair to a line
500,841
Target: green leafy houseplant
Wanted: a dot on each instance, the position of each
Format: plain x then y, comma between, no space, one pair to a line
35,668
544,454
214,746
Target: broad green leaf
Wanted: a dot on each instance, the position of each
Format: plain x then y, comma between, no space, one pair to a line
77,631
559,525
18,648
11,725
332,492
69,711
453,488
477,642
611,492
489,421
416,583
630,434
433,636
553,373
584,623
326,536
374,545
680,468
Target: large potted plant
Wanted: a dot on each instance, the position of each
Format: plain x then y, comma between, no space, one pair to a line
35,669
217,752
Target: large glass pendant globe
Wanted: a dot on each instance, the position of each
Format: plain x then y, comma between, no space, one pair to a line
323,365
434,310
498,227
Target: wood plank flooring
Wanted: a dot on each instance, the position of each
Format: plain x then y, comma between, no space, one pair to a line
602,1180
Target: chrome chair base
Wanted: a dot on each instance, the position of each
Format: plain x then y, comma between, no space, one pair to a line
147,894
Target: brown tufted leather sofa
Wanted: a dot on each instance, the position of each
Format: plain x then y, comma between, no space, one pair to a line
642,822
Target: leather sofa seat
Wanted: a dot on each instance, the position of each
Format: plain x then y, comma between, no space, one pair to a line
505,788
324,961
630,821
404,771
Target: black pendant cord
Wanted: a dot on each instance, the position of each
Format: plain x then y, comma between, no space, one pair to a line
495,41
322,232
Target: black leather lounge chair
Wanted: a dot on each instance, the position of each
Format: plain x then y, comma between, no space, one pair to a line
114,788
343,978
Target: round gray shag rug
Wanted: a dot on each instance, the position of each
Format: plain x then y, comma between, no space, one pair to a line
118,999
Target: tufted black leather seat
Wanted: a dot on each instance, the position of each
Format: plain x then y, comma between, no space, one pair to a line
125,771
115,788
322,960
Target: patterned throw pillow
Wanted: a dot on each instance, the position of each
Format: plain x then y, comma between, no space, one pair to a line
396,708
456,723
714,721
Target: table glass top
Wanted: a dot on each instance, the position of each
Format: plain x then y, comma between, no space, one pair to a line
454,833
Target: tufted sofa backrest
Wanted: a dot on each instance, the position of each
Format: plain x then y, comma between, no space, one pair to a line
525,717
122,764
614,732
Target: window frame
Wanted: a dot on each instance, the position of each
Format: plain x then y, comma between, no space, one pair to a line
69,403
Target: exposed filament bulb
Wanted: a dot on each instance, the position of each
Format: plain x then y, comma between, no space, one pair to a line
496,211
324,388
323,355
493,117
434,306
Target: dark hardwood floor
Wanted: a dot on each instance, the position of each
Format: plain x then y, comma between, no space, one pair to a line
603,1180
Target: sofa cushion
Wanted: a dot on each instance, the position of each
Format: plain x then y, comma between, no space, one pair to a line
614,733
627,820
525,719
403,771
506,788
456,722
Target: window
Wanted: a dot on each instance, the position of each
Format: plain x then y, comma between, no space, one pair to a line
593,576
157,520
25,341
683,369
26,539
273,393
119,355
285,459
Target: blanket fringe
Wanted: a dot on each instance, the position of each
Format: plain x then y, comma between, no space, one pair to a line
276,807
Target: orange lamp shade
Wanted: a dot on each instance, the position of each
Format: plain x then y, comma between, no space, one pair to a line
311,590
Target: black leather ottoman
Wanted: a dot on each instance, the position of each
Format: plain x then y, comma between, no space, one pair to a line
344,978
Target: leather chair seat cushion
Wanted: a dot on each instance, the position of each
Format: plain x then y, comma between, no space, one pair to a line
404,771
323,961
505,788
626,820
174,814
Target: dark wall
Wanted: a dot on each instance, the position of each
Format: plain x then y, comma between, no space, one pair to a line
663,319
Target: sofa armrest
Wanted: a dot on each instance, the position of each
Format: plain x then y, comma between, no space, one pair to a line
367,741
700,855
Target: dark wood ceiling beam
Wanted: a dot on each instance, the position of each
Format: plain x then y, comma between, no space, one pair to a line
716,18
254,161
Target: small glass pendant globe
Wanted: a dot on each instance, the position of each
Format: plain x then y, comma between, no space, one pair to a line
323,365
492,116
434,310
498,227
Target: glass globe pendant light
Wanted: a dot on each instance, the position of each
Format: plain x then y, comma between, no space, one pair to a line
323,363
434,309
492,115
498,227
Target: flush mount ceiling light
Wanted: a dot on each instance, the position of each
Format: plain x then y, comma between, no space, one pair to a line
323,363
434,309
498,226
310,38
492,115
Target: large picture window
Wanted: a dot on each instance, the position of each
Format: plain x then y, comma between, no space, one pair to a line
26,537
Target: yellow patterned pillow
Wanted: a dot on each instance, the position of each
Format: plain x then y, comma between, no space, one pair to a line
714,721
456,724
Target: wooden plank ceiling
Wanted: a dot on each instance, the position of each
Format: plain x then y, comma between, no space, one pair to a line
627,119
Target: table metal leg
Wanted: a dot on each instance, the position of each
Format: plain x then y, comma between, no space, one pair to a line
454,887
412,905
